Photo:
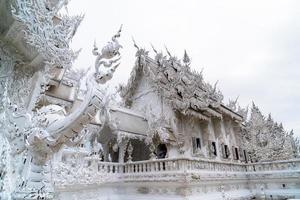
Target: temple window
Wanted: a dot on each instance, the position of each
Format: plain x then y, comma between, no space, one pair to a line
196,144
235,152
225,151
161,151
241,154
214,148
245,155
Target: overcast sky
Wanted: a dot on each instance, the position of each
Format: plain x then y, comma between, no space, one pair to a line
251,47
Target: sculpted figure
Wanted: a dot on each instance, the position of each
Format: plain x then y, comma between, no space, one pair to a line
107,57
34,136
232,104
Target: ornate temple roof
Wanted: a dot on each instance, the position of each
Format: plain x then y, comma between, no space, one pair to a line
184,89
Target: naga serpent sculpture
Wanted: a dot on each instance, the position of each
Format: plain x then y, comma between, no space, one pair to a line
37,136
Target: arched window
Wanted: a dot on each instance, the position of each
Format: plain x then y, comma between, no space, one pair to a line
161,151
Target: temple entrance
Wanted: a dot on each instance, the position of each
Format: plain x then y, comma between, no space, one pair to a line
140,151
161,151
113,151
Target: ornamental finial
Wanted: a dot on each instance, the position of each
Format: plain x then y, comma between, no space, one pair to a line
134,44
168,52
186,59
155,51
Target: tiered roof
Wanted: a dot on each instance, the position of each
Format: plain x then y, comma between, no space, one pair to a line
184,89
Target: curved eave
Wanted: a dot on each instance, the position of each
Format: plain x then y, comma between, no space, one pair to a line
227,111
197,114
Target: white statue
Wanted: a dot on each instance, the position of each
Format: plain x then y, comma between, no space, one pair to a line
109,55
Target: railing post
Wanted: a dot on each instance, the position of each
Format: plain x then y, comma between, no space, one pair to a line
152,166
184,166
156,166
161,166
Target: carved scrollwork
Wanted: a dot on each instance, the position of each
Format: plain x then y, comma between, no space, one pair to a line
108,56
50,38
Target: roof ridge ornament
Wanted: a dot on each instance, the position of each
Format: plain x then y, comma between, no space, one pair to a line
134,44
168,52
215,86
141,53
155,51
159,57
186,59
233,104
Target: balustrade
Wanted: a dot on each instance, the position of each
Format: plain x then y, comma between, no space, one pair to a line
184,164
274,166
96,171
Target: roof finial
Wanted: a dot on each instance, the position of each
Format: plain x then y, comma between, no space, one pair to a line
236,100
168,51
134,43
118,34
95,43
95,49
186,59
215,86
153,48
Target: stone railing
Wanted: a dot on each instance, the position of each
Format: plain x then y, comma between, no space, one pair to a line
107,167
274,165
185,164
181,164
93,171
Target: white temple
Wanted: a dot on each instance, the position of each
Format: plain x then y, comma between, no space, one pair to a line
170,137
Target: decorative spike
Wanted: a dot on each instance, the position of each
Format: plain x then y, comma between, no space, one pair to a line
236,100
186,59
95,44
134,44
168,52
118,34
153,48
215,86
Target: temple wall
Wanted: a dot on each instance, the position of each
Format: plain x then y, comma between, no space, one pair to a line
145,97
151,190
220,131
236,189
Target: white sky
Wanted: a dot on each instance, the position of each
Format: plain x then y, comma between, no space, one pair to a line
251,47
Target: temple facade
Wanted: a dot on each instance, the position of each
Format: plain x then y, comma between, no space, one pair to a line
185,114
170,136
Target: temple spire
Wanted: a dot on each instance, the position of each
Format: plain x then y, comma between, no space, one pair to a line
186,59
155,51
168,52
134,44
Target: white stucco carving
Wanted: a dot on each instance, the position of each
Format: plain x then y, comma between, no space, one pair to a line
258,132
173,133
